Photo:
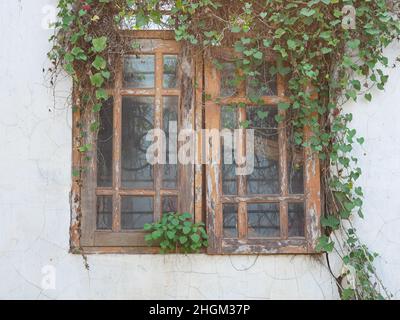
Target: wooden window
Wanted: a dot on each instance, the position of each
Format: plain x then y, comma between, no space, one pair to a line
273,209
121,190
276,208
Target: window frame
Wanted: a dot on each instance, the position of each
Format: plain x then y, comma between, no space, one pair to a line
201,192
84,234
214,191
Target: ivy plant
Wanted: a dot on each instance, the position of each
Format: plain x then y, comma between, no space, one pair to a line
329,52
176,232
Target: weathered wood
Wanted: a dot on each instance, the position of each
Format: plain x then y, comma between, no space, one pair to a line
199,169
215,198
271,100
117,143
135,192
242,180
262,198
186,122
313,195
111,241
283,165
148,92
199,186
158,114
213,168
75,195
264,246
122,238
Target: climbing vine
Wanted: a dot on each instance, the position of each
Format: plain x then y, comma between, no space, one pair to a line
329,52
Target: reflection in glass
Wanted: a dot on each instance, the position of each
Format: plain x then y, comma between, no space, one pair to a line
262,83
136,212
137,120
296,170
104,212
170,118
228,79
263,220
105,146
296,220
229,179
230,221
163,23
139,71
265,177
169,204
170,79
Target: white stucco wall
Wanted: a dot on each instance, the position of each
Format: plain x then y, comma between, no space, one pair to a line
35,179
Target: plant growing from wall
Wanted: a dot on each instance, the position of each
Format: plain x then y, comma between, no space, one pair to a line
176,232
329,51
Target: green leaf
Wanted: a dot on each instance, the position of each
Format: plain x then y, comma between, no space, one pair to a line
97,107
101,94
148,238
324,245
267,43
156,234
195,237
147,226
368,96
258,55
99,63
97,80
331,222
348,294
183,239
99,44
307,12
283,106
171,235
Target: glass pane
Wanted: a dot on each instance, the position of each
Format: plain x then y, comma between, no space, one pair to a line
263,220
169,204
170,71
131,23
262,83
136,212
170,122
105,146
137,120
230,221
139,71
229,120
296,220
228,77
296,170
265,177
104,212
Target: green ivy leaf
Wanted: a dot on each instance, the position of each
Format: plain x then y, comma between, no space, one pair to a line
195,237
99,63
99,44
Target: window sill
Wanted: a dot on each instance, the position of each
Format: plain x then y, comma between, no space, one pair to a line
245,250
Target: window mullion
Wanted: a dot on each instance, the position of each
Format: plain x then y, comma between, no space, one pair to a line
158,172
242,188
283,164
116,227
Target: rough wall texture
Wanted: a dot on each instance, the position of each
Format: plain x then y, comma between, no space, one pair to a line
35,140
379,158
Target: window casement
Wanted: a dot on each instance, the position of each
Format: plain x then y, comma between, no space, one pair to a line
273,209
